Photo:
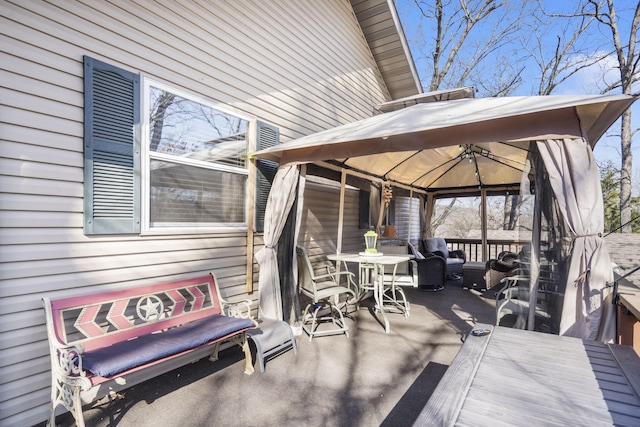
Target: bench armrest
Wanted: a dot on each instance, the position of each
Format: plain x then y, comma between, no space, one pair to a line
240,309
66,365
66,359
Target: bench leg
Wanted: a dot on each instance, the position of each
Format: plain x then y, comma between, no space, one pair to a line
214,355
248,360
243,342
77,404
67,395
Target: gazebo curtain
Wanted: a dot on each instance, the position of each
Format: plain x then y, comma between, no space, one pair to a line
277,211
374,205
573,175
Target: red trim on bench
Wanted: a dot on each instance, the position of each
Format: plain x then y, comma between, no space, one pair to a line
118,301
85,322
81,301
179,302
199,297
117,316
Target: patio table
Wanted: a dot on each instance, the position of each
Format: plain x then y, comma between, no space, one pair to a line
507,377
372,271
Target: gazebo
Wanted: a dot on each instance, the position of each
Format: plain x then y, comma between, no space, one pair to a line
476,145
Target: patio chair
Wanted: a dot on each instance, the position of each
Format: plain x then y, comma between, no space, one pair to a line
497,269
405,274
423,272
328,297
454,259
513,300
432,272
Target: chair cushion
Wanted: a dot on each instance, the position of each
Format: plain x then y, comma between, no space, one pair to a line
435,244
122,356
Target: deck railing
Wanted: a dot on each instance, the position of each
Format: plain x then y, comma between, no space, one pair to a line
473,247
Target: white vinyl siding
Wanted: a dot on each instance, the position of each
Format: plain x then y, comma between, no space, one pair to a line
301,66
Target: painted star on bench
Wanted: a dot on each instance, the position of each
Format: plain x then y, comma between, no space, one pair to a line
149,307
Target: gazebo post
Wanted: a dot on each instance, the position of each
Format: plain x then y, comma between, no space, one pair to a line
483,224
343,183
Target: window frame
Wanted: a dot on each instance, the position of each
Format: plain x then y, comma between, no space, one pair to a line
147,156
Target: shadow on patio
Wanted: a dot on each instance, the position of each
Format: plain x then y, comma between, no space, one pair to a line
368,379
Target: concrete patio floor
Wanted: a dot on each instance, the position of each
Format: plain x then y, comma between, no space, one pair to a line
367,379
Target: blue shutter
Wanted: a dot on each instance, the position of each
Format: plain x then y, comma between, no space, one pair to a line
267,136
111,149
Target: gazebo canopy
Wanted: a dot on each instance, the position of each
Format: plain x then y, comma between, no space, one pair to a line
458,144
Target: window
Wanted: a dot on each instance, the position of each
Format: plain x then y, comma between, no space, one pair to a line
197,161
170,160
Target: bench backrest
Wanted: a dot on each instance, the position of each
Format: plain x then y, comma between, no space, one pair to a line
99,320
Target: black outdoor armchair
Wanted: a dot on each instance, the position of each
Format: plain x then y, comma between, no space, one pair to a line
438,246
426,272
432,270
432,273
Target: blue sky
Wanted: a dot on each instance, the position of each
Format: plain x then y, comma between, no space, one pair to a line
587,81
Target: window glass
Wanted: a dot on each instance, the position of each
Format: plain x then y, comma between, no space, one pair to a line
197,156
187,194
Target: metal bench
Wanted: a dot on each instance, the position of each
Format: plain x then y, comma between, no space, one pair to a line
106,342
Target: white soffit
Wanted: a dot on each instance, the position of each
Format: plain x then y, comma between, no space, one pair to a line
384,34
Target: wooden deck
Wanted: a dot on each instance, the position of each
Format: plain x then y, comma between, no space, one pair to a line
513,377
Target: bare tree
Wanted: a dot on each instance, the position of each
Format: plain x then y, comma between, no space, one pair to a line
627,59
604,12
510,211
158,114
462,42
572,50
458,37
506,77
557,61
441,217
